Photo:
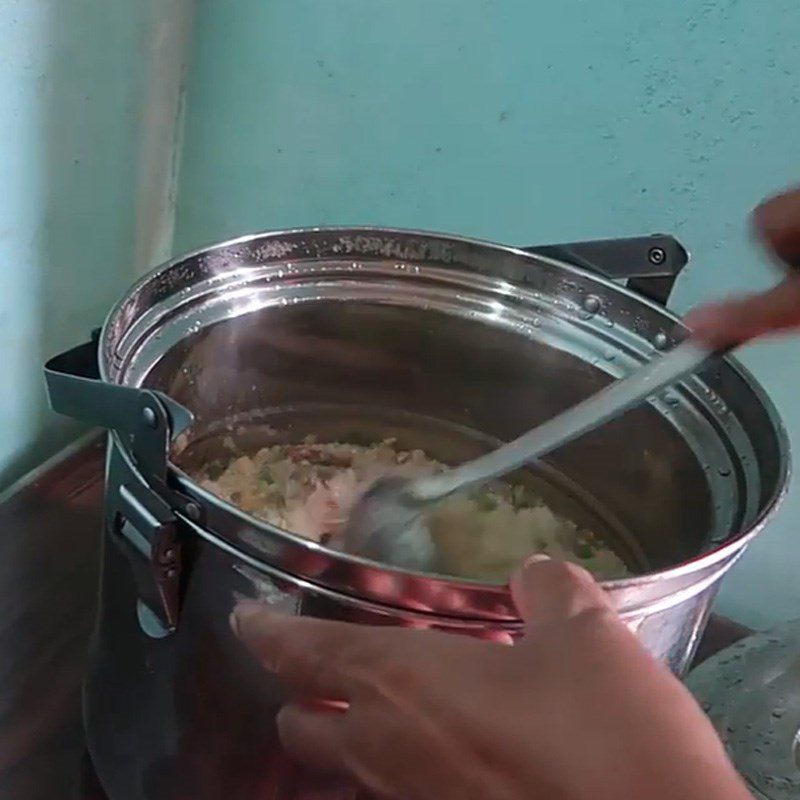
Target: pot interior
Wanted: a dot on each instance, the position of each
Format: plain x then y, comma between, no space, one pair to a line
453,346
661,484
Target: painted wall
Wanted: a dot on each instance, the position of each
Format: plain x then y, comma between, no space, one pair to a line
76,153
519,121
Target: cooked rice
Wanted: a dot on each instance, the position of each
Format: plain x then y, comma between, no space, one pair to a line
309,489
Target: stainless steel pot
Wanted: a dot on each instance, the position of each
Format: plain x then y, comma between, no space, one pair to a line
446,343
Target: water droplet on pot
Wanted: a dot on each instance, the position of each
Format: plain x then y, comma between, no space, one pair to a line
591,305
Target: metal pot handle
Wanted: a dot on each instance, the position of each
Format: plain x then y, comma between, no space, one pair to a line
140,511
149,420
647,264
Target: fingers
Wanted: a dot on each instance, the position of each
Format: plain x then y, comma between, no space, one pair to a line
777,222
775,310
547,592
741,320
718,325
312,737
309,655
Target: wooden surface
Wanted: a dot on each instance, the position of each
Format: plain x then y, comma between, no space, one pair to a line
49,546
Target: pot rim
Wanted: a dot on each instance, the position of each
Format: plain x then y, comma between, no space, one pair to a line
707,559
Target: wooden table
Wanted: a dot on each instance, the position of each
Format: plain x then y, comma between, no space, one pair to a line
50,530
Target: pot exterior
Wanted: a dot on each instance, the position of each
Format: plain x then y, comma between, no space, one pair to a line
297,332
191,715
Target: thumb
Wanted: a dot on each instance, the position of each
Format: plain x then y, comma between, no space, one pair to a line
547,592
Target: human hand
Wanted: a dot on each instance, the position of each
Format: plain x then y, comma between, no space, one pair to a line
575,710
732,322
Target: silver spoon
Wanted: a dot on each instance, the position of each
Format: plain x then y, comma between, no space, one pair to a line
387,523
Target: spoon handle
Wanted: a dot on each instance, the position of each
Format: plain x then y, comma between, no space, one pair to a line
601,407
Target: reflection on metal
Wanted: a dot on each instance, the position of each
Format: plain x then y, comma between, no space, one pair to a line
267,590
449,344
150,624
302,326
751,693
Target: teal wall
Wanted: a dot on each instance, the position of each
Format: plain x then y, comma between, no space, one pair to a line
75,79
514,120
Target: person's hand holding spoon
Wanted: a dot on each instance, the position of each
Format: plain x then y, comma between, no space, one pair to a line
725,324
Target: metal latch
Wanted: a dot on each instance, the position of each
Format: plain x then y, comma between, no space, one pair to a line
145,528
647,264
146,419
140,501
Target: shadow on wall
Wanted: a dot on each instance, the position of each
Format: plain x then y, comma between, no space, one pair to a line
83,73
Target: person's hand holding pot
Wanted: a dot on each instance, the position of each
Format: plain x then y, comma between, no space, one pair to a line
576,710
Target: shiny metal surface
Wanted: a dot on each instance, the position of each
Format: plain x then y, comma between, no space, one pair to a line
44,644
751,692
447,344
457,345
386,525
192,714
453,345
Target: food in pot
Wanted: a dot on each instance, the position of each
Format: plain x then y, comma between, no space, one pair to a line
310,488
